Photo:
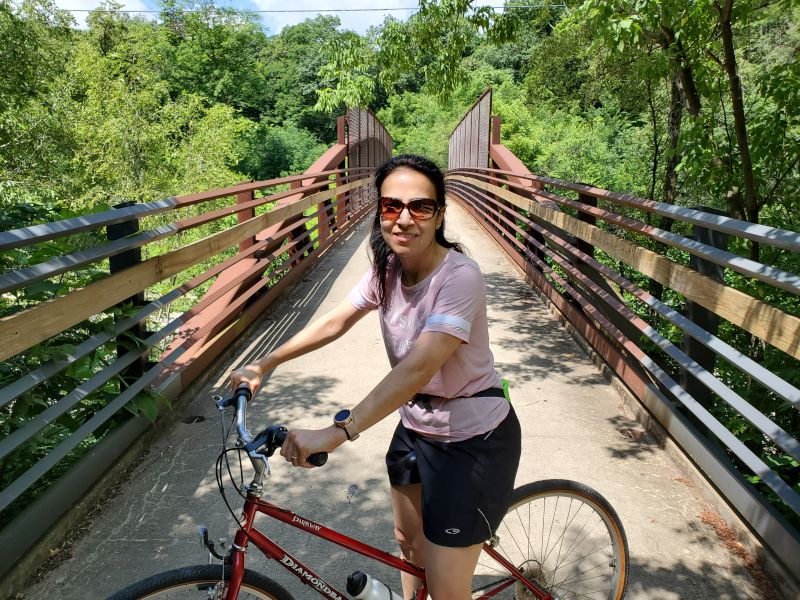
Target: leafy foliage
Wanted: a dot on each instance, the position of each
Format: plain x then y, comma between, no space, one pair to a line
696,103
132,110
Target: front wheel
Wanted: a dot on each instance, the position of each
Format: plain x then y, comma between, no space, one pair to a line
565,538
201,582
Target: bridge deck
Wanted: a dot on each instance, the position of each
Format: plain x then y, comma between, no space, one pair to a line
574,426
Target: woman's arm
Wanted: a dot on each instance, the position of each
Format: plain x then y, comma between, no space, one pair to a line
329,327
429,353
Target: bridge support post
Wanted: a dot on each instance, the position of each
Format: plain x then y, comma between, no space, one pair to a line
701,316
323,226
118,263
583,245
244,215
340,199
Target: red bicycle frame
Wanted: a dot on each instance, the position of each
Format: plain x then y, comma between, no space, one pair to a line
247,532
253,505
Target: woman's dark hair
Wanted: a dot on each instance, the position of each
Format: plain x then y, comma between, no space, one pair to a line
379,248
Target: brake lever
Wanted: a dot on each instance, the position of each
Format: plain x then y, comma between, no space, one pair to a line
224,403
273,437
268,438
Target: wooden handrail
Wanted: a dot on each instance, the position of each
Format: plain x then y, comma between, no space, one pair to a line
31,326
767,322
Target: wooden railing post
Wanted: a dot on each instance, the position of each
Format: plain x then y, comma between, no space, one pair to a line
244,215
294,254
118,263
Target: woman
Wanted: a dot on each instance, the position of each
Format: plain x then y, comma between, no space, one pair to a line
453,414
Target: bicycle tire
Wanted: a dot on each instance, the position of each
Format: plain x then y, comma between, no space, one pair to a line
565,537
197,582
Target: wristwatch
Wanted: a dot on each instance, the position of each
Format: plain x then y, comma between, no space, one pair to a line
344,419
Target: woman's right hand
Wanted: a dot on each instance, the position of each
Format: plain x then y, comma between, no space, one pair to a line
250,374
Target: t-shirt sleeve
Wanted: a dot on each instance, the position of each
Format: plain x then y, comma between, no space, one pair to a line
457,303
364,296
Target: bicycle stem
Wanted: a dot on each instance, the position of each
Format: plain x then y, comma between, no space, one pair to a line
259,461
241,419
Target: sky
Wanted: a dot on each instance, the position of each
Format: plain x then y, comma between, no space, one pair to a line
357,21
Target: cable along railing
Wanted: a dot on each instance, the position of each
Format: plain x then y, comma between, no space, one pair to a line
586,250
251,242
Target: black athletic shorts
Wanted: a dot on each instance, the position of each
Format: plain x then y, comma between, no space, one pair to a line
465,485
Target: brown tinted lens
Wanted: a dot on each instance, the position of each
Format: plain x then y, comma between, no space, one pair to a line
391,208
421,209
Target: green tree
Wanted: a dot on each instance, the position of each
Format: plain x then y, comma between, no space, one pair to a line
432,43
292,60
35,120
134,140
724,101
214,52
275,151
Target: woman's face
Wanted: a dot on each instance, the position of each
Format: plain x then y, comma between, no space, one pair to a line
410,237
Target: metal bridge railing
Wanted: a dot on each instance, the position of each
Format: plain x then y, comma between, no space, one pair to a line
557,231
165,319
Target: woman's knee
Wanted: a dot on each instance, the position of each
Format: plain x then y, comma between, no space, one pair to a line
406,501
449,570
449,589
411,542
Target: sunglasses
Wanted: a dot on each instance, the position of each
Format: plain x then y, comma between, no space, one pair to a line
420,209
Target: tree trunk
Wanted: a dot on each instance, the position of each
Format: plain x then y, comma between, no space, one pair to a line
656,143
682,70
673,158
751,204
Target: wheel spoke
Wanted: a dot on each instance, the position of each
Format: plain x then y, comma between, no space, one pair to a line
565,538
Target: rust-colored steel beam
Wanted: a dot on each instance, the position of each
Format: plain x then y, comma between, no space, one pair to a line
322,168
189,199
197,359
244,214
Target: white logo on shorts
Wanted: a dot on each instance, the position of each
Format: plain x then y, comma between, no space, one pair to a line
452,531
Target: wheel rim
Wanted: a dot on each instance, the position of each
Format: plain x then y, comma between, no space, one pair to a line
564,542
205,590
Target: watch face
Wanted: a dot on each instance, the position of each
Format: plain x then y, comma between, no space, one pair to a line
342,415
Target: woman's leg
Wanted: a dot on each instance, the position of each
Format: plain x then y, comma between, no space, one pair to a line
407,508
448,571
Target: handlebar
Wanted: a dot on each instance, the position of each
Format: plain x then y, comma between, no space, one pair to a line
266,442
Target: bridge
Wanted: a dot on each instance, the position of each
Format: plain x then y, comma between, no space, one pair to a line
615,387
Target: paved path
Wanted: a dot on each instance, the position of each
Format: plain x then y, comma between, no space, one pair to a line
573,427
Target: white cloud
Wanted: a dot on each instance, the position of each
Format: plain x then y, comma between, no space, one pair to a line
357,20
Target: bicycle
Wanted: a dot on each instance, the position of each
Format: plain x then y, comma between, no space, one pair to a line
559,540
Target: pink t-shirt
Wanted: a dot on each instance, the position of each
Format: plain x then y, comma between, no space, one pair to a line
452,300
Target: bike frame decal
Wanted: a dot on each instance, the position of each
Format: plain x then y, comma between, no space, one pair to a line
299,522
309,577
294,566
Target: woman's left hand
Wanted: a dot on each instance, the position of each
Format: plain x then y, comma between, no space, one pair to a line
302,443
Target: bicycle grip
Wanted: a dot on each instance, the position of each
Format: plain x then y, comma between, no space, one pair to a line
243,389
317,459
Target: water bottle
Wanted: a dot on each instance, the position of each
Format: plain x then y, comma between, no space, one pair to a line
363,587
